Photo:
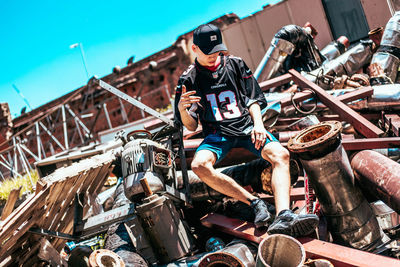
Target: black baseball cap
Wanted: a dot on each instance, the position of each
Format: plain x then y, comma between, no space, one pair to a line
208,38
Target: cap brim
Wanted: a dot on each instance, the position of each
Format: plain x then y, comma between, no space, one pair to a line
212,50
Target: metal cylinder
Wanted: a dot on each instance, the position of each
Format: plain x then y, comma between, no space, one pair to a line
387,218
273,59
391,34
349,62
169,243
237,255
380,175
137,162
333,50
346,64
388,62
388,53
351,220
280,250
105,258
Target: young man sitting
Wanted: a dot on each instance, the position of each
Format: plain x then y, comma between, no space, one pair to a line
221,92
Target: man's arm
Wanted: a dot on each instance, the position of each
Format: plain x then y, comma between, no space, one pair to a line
186,101
258,134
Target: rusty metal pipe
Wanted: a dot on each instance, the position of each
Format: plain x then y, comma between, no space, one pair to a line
380,175
351,220
105,257
280,250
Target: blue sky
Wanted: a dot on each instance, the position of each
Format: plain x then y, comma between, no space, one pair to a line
36,35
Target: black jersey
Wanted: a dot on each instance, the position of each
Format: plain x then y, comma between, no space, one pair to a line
226,95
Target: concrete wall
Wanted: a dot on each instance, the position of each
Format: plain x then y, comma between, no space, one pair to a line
377,12
250,37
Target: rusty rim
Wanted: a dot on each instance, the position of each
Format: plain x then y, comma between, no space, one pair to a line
315,136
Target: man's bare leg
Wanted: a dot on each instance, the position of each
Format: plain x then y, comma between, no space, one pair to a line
279,157
286,222
203,167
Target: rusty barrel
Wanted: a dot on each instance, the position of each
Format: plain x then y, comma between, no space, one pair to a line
351,220
380,175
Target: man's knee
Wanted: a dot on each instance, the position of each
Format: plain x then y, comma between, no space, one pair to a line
200,166
276,154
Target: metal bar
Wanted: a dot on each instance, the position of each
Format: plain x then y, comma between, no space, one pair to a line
393,123
295,195
29,152
38,141
365,127
49,233
371,143
77,118
52,137
277,81
336,254
95,119
123,112
107,115
79,131
15,162
25,166
134,102
42,149
3,158
10,169
10,160
348,97
65,127
25,157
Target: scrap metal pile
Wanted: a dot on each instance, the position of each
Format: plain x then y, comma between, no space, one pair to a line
336,110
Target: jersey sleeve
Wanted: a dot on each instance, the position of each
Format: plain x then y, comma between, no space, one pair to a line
252,90
178,92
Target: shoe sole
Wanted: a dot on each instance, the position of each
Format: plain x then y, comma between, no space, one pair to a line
298,227
262,224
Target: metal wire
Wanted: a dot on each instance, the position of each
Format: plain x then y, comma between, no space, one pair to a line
306,112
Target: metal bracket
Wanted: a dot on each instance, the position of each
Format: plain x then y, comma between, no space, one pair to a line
133,101
44,232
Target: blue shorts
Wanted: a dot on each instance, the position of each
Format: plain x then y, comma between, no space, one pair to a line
221,145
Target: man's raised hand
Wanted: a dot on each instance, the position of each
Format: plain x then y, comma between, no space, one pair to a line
187,99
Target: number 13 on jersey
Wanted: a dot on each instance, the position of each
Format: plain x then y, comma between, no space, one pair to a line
229,111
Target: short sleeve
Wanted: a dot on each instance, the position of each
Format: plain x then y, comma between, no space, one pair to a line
178,92
252,90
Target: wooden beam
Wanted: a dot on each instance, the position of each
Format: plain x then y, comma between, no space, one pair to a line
9,207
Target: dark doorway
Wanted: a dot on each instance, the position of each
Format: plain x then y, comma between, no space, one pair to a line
346,17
